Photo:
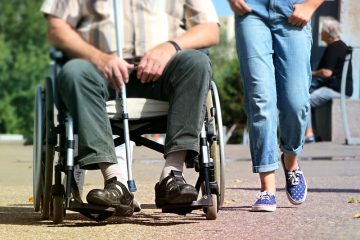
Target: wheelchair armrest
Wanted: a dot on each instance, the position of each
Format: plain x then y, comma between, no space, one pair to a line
58,56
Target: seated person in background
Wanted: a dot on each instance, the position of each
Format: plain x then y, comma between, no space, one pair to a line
326,81
159,63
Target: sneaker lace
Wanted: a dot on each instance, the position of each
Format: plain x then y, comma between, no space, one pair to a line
263,196
294,177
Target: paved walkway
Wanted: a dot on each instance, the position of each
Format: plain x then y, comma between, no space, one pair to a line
313,151
332,172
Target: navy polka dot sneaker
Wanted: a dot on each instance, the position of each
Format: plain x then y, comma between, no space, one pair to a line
265,202
296,188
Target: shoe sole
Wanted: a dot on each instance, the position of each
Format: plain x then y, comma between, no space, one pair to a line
123,211
184,198
120,209
263,208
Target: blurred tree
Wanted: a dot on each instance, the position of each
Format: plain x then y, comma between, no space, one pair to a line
23,63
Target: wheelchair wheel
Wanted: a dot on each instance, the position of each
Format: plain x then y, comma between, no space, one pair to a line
50,137
38,149
211,212
57,209
217,146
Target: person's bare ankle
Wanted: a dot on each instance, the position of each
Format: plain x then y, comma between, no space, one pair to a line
290,162
267,180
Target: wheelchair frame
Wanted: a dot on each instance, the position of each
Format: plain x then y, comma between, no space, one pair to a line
53,198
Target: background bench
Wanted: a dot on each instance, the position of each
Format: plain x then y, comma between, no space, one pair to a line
339,120
329,120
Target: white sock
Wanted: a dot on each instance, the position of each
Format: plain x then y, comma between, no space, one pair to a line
118,170
110,170
174,161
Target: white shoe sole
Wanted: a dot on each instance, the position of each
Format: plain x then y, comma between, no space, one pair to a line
263,208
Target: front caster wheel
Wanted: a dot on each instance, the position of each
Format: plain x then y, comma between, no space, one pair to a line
58,212
211,212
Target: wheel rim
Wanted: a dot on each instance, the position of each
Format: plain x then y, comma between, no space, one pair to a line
50,149
217,148
38,147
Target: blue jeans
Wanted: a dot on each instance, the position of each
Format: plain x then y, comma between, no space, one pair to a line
275,68
318,98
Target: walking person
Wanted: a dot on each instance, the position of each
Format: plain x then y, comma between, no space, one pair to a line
273,41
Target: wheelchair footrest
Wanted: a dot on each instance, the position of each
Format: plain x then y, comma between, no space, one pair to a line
183,209
94,212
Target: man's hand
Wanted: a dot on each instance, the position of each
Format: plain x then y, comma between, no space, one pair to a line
154,61
303,12
239,7
115,70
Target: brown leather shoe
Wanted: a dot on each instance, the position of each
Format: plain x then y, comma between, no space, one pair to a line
173,190
112,196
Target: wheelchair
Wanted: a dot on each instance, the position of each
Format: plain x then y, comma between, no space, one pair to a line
54,135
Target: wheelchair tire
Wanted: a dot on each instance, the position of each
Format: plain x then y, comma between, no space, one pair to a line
58,209
211,212
38,149
50,137
217,147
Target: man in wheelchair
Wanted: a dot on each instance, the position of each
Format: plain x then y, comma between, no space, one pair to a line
159,63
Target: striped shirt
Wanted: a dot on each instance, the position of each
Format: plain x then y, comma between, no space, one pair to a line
146,23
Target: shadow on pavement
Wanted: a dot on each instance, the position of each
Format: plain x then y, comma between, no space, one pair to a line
148,206
19,215
241,208
235,208
23,214
143,219
320,190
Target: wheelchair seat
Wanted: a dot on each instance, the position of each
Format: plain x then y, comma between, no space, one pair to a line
141,108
